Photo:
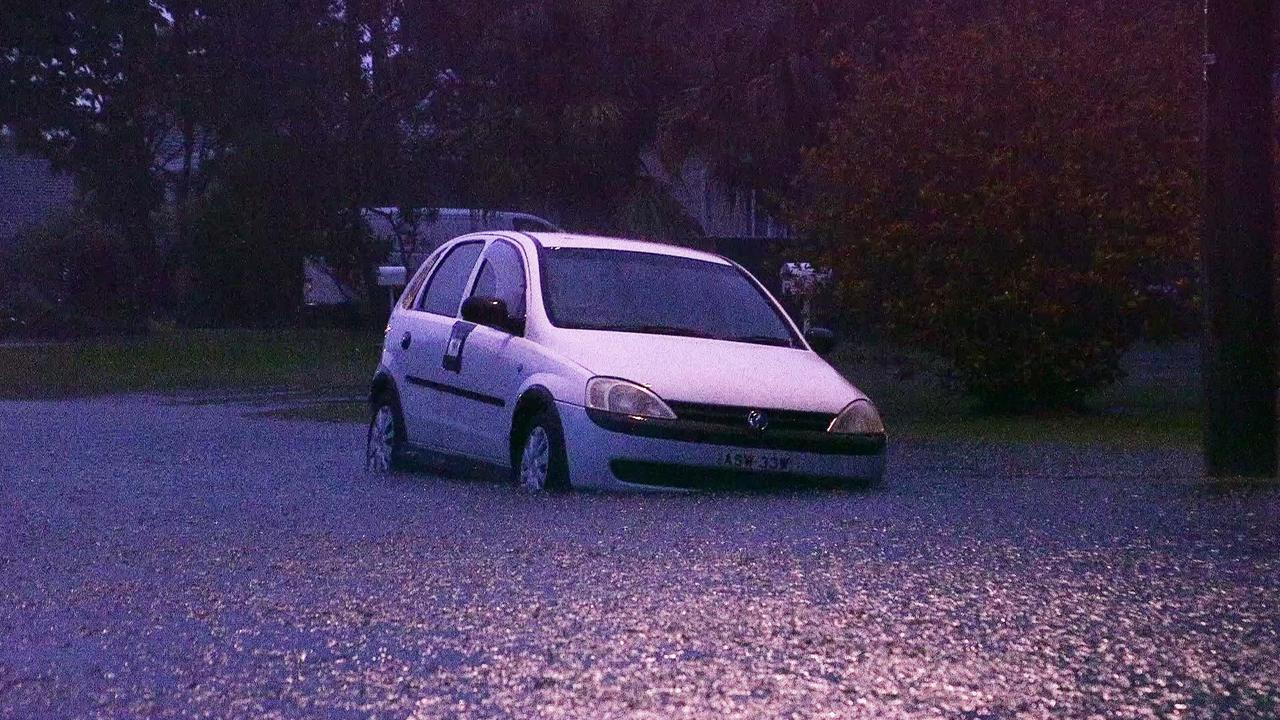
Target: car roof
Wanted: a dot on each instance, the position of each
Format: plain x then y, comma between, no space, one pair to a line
594,242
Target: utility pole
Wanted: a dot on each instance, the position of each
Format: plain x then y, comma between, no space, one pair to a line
1237,245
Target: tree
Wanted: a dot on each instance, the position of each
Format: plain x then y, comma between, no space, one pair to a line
248,91
1239,242
81,87
544,105
302,143
762,86
1016,189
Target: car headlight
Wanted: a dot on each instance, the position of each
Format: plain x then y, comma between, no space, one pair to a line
626,398
859,418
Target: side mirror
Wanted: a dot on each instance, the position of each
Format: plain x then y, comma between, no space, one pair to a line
491,312
822,340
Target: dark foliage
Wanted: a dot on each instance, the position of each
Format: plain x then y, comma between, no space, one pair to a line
1011,186
1017,192
75,276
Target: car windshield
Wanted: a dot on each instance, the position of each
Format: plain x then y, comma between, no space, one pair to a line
626,291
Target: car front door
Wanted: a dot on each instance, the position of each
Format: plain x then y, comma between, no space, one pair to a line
430,409
488,367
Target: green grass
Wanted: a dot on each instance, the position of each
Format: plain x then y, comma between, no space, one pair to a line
1128,431
174,361
1157,405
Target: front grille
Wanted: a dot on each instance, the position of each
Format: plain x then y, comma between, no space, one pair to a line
710,478
736,417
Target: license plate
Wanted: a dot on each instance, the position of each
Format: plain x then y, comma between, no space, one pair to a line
756,461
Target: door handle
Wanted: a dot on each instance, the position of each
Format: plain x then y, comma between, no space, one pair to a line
406,341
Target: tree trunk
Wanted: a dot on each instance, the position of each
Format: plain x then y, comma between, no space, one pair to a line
355,181
1237,251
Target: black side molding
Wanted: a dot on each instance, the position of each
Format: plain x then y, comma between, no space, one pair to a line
459,392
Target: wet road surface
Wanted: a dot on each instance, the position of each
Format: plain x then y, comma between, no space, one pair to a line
161,560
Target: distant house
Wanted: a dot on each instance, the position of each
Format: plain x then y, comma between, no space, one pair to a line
734,222
718,210
31,192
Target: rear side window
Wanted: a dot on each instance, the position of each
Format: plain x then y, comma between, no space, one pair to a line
415,285
502,276
444,290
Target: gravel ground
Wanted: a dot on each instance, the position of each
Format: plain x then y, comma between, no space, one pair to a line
170,560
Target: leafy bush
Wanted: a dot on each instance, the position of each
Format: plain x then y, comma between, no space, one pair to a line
75,275
241,260
1016,192
235,268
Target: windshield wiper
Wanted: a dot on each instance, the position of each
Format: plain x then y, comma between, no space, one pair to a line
657,329
653,329
763,340
664,330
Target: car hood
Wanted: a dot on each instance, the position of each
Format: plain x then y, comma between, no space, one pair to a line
714,372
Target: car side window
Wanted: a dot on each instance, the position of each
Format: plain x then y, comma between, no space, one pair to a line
502,276
444,290
415,285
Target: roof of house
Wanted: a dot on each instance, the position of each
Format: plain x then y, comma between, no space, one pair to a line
717,209
30,191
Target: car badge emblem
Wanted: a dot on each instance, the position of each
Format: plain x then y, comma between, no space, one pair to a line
757,420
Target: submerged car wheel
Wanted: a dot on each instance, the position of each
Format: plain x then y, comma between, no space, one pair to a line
385,436
541,463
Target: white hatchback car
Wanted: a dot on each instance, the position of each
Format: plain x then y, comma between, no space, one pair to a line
572,361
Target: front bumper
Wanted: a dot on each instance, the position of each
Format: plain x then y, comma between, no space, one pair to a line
617,453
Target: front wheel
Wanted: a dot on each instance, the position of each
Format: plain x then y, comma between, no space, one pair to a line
541,463
386,436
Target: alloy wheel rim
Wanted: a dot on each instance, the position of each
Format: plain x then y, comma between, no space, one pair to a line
382,437
535,460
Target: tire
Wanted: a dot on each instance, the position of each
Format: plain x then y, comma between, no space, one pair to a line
384,443
540,461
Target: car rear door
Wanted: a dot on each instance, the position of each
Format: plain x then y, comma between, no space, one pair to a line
431,410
